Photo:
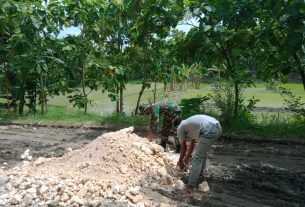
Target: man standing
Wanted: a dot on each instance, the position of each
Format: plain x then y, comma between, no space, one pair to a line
204,129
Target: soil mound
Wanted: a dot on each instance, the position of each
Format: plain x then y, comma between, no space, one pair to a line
114,166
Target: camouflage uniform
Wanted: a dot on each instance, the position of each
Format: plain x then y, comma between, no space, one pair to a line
169,113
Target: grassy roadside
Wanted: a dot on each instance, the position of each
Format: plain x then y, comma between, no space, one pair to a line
272,127
267,124
60,115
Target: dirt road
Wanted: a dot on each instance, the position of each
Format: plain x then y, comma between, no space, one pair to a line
239,172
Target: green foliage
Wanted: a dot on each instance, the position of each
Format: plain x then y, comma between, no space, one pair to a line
293,103
224,98
193,106
272,85
271,126
280,38
79,100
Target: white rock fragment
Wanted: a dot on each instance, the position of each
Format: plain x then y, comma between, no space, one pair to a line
133,198
2,172
77,200
26,155
168,180
127,130
39,161
179,185
4,179
16,199
43,189
116,189
162,172
123,169
134,190
204,187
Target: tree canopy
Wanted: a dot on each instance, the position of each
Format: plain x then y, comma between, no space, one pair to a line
235,41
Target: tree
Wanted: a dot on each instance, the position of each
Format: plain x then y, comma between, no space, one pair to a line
281,38
116,40
29,26
150,19
224,39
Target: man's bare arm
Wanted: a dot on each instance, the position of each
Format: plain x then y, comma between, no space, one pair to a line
183,150
189,151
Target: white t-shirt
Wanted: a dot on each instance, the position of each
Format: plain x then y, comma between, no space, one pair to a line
190,128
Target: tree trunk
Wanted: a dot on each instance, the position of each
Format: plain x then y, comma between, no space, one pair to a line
42,94
21,102
45,97
83,84
144,85
155,91
300,69
6,88
121,100
35,98
236,90
118,100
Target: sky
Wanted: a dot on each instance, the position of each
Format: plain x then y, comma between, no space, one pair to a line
76,31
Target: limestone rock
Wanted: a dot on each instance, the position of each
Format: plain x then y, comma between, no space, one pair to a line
164,205
127,130
4,179
40,161
26,155
168,180
204,187
134,190
179,185
16,199
133,198
77,200
162,172
2,172
123,169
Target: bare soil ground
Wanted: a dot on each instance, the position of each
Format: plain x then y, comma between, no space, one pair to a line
240,172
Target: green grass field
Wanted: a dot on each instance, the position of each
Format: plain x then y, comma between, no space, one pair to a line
102,104
101,112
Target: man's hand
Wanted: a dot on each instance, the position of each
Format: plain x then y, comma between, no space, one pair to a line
180,166
186,160
150,135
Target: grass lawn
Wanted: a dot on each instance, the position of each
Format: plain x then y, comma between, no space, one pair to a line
101,113
103,106
60,115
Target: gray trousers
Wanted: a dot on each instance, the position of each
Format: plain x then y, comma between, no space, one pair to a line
205,141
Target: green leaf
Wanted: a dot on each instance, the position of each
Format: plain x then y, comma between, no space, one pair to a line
187,2
220,28
117,2
236,52
207,27
209,8
35,22
38,68
67,48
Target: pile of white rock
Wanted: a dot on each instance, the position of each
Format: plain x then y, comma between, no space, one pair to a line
113,168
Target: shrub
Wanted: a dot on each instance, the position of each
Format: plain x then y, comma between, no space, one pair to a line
293,103
193,106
